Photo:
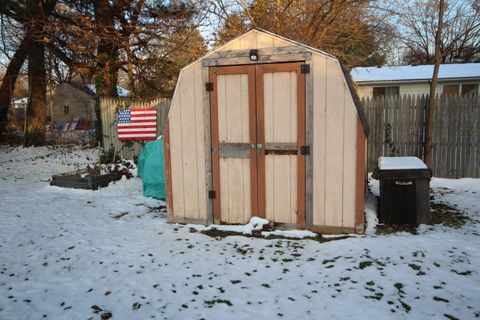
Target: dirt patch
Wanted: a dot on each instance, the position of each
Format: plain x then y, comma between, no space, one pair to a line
441,213
447,215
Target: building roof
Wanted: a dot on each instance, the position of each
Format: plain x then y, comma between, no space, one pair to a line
454,71
21,101
122,92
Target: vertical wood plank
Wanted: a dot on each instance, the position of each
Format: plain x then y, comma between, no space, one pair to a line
189,143
319,138
334,148
200,125
350,151
309,141
168,171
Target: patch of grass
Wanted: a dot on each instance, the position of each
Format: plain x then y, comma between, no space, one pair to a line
449,316
447,215
399,286
414,266
405,306
211,303
464,273
364,264
96,309
235,281
328,261
377,296
136,306
266,285
436,298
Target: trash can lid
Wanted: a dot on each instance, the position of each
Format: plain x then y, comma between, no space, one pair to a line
400,163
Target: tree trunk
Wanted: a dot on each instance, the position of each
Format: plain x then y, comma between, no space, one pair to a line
107,58
428,148
37,102
8,84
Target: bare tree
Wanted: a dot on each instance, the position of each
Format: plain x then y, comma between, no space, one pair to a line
460,40
428,149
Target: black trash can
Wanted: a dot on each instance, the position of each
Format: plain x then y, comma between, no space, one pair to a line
404,190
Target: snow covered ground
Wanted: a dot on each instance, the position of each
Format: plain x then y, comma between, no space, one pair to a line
63,255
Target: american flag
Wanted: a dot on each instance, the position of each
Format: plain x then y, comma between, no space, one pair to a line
137,124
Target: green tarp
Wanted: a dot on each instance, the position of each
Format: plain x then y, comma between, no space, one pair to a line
152,170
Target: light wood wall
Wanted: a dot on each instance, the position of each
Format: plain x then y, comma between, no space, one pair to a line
334,147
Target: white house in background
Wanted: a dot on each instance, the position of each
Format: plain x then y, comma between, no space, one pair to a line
20,103
453,79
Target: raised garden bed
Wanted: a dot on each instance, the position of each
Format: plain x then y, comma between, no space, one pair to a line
75,179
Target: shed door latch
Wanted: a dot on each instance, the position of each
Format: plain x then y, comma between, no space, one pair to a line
212,194
305,68
305,150
209,86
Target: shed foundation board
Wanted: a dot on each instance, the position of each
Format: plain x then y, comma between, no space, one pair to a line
336,230
182,220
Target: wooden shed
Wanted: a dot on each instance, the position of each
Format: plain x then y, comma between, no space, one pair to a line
265,126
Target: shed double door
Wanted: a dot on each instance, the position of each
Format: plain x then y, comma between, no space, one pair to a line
258,129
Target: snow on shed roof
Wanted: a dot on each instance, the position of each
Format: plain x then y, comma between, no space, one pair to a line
415,73
122,92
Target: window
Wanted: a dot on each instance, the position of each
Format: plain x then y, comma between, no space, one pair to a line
386,91
466,89
451,89
66,110
469,89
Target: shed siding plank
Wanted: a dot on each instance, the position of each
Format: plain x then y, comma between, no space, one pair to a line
200,134
176,157
361,175
319,135
189,145
349,161
334,147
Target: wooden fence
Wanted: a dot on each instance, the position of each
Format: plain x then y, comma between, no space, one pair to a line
397,128
108,107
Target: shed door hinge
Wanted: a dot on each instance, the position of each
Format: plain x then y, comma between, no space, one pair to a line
305,150
212,194
305,68
209,86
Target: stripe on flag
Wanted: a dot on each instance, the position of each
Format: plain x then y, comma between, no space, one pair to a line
137,124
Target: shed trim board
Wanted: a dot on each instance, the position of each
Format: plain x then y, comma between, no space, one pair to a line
168,170
329,181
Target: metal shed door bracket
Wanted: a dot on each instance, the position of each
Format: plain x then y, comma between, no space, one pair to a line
305,150
212,194
209,86
305,68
